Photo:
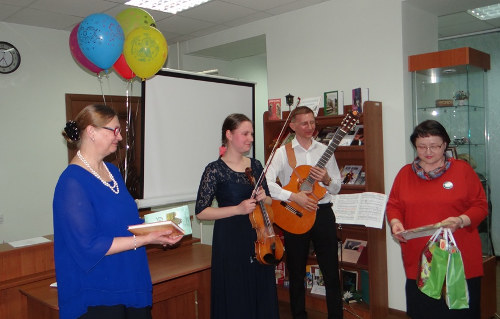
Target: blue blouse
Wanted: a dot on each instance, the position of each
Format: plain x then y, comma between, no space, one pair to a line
87,216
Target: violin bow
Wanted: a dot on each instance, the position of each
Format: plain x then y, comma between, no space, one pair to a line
271,156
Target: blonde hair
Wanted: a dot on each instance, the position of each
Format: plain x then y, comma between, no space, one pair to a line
96,115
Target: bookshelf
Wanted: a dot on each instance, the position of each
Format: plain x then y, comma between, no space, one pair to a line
370,156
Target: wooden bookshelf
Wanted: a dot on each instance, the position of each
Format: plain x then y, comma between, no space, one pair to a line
370,156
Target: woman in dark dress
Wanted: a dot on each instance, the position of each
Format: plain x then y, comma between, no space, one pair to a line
241,286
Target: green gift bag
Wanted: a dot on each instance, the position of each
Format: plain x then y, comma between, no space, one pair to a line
457,292
433,266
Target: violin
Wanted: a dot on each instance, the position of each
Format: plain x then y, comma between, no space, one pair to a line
268,247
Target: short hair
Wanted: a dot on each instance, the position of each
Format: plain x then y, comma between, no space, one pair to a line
429,128
96,115
231,123
300,110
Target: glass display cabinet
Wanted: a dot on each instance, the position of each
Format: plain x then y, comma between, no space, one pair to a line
449,87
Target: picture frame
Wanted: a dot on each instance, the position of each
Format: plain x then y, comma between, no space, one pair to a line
349,280
331,103
451,151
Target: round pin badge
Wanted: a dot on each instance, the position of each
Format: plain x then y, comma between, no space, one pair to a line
448,185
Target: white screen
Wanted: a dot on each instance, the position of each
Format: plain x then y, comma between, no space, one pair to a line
183,116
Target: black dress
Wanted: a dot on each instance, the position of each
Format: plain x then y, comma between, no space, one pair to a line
241,287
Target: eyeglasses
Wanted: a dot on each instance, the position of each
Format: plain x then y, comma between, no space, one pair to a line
432,148
115,130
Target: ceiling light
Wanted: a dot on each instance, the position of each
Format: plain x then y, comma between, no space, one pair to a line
170,6
486,13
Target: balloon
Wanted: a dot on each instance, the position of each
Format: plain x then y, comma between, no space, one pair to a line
132,18
101,38
145,50
122,68
78,54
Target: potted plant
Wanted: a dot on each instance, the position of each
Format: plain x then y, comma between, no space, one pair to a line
461,97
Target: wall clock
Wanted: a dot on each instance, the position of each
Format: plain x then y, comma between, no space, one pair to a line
10,59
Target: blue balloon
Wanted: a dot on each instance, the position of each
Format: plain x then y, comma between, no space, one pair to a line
101,38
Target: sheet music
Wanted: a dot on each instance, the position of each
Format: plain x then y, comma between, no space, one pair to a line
366,208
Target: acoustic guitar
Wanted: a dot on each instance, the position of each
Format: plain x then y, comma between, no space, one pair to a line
292,217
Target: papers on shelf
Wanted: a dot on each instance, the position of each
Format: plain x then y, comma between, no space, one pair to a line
366,208
28,242
422,231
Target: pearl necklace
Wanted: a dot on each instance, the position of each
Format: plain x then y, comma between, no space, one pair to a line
115,184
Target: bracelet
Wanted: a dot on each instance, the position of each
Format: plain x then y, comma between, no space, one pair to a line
461,222
135,243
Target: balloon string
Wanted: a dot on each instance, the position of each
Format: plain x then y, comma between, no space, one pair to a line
99,78
127,131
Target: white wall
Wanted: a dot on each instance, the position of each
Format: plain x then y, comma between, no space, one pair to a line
33,152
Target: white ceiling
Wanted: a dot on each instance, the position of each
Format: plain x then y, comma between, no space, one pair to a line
217,15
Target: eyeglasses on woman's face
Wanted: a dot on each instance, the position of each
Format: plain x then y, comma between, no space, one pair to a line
115,130
432,148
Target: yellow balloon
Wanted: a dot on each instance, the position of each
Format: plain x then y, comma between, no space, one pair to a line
145,50
132,18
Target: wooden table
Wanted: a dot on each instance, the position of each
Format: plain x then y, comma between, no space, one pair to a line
181,286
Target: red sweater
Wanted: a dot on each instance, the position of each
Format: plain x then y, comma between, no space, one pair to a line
417,202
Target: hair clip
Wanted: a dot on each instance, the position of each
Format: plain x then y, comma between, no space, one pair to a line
72,131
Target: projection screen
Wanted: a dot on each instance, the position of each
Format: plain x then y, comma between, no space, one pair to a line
183,116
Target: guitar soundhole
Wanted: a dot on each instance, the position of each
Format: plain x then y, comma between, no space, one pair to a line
306,186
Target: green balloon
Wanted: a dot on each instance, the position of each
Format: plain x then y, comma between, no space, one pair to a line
133,18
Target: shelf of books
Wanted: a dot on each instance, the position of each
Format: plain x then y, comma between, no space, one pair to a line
362,249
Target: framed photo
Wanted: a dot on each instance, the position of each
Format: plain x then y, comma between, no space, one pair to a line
451,152
331,103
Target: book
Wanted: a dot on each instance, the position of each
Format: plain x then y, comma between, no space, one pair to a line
179,215
352,249
356,100
280,273
422,231
365,286
331,103
359,136
318,285
359,97
326,134
349,280
309,277
361,179
348,138
312,103
274,107
366,208
288,138
146,228
349,173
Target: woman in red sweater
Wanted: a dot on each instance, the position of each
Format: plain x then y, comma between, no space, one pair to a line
436,188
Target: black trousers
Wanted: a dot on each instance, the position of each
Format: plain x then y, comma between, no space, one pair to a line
420,306
323,235
116,312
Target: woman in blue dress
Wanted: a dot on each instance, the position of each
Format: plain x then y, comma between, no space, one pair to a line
101,268
242,287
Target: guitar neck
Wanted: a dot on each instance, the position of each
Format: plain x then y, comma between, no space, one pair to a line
339,135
